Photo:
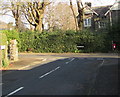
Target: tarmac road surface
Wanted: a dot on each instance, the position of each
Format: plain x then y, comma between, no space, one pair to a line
66,76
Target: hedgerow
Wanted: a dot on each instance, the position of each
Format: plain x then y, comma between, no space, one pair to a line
57,41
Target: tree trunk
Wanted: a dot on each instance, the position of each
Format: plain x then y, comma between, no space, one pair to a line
39,26
71,6
80,23
16,24
80,16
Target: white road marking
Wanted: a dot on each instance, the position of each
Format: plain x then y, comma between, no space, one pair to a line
1,83
49,72
67,62
70,60
15,91
101,63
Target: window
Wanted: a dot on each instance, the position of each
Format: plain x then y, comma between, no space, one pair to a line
101,24
87,22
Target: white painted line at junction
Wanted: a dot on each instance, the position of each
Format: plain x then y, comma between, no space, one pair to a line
1,83
102,63
49,72
67,62
70,60
14,91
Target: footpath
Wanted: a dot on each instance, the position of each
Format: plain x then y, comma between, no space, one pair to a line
22,63
29,59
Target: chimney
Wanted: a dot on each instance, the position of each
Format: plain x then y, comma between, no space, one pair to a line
88,4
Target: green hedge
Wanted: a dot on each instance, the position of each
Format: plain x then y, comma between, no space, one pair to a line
58,41
54,42
113,35
26,40
11,35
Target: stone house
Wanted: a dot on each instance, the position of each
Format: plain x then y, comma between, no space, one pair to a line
100,17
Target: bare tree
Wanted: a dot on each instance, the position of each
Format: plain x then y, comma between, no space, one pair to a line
49,17
78,19
14,7
34,13
60,16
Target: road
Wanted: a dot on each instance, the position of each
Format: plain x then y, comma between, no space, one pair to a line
65,76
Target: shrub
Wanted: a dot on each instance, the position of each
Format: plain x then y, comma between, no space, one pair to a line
12,34
53,42
60,42
113,35
27,39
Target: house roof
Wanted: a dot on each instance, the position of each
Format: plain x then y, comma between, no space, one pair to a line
89,10
115,6
101,10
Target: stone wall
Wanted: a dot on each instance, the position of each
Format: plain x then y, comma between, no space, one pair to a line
13,50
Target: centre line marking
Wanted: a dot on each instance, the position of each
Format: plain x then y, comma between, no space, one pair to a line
70,60
1,83
15,91
49,72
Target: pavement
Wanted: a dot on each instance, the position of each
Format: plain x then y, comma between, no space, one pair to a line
30,59
23,63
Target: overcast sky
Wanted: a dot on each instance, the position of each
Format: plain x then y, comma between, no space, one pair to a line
8,19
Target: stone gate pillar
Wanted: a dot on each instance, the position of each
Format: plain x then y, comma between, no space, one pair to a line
13,50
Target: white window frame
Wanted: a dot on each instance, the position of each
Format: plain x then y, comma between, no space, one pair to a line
87,22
